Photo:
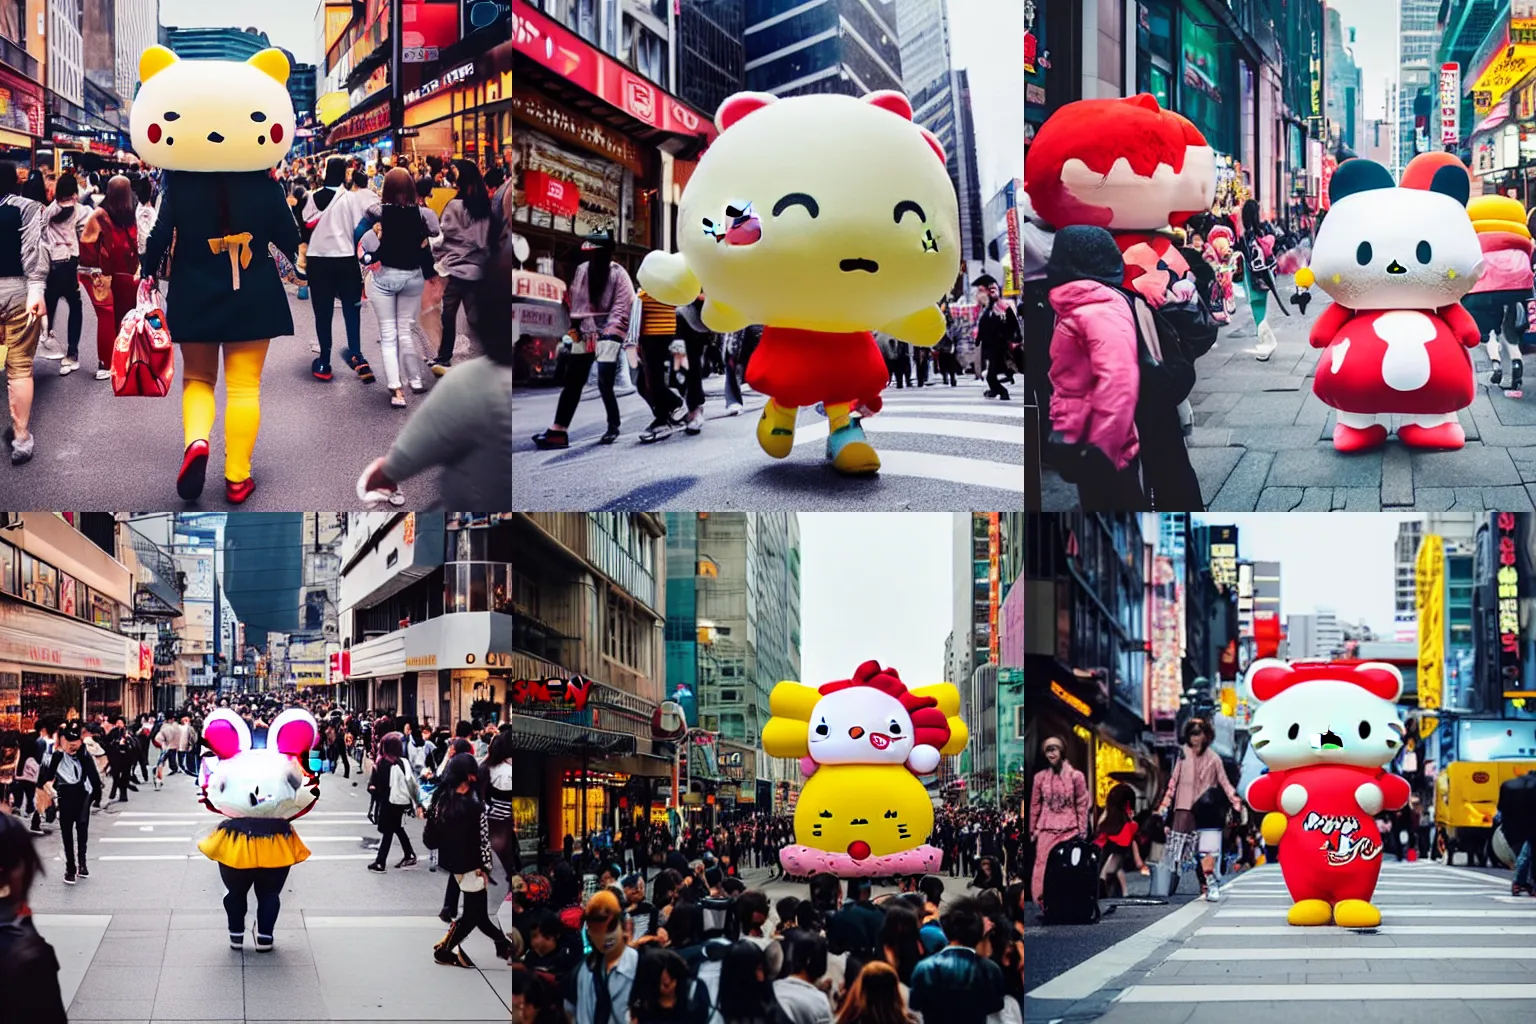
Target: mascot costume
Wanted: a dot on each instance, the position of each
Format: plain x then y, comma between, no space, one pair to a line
862,743
783,224
218,128
1326,730
259,792
1396,261
1504,296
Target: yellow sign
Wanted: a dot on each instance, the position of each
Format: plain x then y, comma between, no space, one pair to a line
1108,759
1229,700
1506,71
1071,700
658,815
1430,578
421,661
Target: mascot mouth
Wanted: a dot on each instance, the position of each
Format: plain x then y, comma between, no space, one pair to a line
1330,740
859,264
879,740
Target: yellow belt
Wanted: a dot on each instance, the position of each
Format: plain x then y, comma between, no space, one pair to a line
239,249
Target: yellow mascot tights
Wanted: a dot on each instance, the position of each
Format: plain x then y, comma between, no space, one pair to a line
242,413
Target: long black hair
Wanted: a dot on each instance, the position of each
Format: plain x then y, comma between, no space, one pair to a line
119,201
743,995
35,188
336,172
645,997
472,193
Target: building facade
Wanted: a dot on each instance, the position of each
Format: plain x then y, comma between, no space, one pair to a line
136,28
845,46
1418,38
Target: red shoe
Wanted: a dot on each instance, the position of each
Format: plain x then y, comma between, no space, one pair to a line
1354,439
1446,436
194,465
238,492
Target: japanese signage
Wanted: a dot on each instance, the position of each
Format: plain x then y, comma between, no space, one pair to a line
370,122
1316,69
21,105
1450,105
1429,576
574,128
446,80
528,285
1167,672
545,192
570,692
1504,59
539,37
994,552
1507,582
1224,562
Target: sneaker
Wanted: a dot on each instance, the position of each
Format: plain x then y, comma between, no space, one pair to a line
237,940
416,385
194,467
448,958
551,439
1212,893
695,421
69,877
733,409
84,871
51,347
68,365
609,436
21,451
37,831
320,369
236,492
407,862
263,943
397,401
103,374
658,430
376,866
437,367
1497,375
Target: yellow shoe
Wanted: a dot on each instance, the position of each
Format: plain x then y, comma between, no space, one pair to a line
1310,913
850,453
1355,914
776,430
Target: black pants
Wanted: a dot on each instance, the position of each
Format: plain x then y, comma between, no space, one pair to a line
390,818
333,278
693,385
577,368
948,364
1113,490
654,355
64,283
120,776
238,883
922,356
455,293
475,916
451,896
342,754
997,368
143,757
75,827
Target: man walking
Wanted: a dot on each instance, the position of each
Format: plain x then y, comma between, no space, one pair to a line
70,779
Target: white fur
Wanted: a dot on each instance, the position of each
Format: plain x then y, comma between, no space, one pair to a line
1322,706
1394,221
1405,367
263,783
870,710
1369,796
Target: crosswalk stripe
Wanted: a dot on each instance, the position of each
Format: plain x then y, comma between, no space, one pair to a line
1314,993
952,469
969,430
143,856
1401,911
1001,410
1357,953
1229,930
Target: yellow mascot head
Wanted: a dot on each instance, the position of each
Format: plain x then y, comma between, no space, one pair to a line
212,115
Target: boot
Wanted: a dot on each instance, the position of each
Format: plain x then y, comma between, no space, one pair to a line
1513,390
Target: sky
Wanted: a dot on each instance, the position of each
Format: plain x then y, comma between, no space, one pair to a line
874,585
1375,47
986,37
288,23
1338,560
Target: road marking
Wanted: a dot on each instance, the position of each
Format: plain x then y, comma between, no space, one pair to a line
71,920
1401,911
1003,410
1095,972
1215,930
1358,953
885,424
144,839
145,856
1315,993
425,923
342,856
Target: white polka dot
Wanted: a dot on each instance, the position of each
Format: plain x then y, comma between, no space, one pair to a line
1338,352
1405,366
1404,325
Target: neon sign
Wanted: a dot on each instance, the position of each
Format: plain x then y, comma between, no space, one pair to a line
1507,581
554,690
1071,700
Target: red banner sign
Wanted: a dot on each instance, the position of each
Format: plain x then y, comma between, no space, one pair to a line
569,56
358,125
572,691
545,192
21,104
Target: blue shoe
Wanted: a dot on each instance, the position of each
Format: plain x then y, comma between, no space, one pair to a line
850,453
303,292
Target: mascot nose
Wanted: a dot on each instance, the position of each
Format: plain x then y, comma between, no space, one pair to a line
856,731
1396,268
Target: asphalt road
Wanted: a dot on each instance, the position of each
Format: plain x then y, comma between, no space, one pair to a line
144,938
95,450
941,448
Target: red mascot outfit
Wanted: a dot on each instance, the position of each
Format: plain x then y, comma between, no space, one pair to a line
1131,167
1326,730
1396,260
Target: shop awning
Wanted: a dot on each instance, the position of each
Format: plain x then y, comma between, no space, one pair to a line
544,736
563,66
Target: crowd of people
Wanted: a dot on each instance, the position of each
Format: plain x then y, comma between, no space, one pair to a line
422,241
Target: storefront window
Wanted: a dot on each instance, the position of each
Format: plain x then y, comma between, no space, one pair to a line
604,188
8,566
1207,91
103,611
570,808
477,587
1154,28
39,581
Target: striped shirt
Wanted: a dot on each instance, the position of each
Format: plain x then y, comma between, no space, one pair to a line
657,319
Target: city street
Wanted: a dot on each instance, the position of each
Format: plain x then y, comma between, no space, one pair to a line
940,448
1263,441
316,438
144,937
1453,946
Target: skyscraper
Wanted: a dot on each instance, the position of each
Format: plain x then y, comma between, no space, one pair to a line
1418,36
709,52
846,46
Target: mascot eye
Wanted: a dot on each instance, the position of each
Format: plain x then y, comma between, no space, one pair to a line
258,117
1365,727
1362,257
895,727
908,206
171,115
822,730
797,199
1424,252
1295,731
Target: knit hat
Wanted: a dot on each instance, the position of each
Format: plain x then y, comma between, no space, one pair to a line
1085,253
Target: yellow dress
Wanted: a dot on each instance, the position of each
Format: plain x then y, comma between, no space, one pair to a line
235,846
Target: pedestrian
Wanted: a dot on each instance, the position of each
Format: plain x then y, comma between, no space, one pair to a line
402,257
457,829
695,339
331,215
959,984
463,255
1502,300
121,757
1058,808
799,991
29,968
23,280
1116,836
71,780
109,251
63,222
665,992
396,791
997,329
653,326
875,998
1258,246
599,298
1198,770
1094,371
746,992
944,349
604,983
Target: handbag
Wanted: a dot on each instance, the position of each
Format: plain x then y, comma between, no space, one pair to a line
143,362
98,285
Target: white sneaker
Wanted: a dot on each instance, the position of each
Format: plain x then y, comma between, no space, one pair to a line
416,385
734,409
103,374
68,366
1212,892
51,349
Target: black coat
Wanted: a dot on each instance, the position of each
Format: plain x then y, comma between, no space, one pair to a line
29,975
201,302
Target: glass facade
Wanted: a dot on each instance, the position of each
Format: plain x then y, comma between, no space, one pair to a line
1208,82
710,52
622,550
854,50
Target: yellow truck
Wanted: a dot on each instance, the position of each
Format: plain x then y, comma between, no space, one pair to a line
1466,797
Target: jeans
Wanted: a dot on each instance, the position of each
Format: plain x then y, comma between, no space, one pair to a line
457,291
238,882
64,283
396,298
1523,866
332,278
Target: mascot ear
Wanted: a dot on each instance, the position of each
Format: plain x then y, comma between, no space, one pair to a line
154,60
740,105
293,732
1452,181
273,62
1382,679
890,99
1267,676
933,143
227,733
1358,175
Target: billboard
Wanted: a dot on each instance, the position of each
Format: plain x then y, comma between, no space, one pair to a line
1167,643
1450,106
1224,557
1429,577
994,552
1507,585
337,18
426,28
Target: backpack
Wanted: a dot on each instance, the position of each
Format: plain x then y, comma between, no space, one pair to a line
1071,890
1192,321
1164,383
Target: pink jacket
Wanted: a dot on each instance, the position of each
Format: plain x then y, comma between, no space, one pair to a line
1507,259
1059,802
1193,775
1094,371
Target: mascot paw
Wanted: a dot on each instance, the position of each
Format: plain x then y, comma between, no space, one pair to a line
1355,914
923,328
850,453
1369,796
1445,437
1309,913
1354,439
718,317
1305,278
1293,798
1273,827
666,277
776,430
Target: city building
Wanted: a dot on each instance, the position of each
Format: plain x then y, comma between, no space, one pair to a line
1344,91
845,46
66,51
1464,28
136,27
63,600
215,43
732,634
963,172
196,543
587,661
1418,38
1456,529
710,52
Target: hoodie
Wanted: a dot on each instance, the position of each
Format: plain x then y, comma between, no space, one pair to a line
1094,374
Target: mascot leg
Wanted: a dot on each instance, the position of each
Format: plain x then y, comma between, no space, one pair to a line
1309,913
269,888
237,887
1441,431
776,430
1355,914
1357,432
846,447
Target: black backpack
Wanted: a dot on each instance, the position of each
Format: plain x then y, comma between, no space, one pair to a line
1072,883
1167,383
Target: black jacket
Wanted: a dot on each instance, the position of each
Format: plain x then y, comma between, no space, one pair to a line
201,302
456,828
29,975
74,800
996,329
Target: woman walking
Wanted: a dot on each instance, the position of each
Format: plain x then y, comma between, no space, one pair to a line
1199,770
396,790
1058,808
466,223
331,214
63,223
1258,248
456,828
404,257
109,256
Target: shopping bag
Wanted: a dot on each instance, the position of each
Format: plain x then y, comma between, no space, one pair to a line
143,362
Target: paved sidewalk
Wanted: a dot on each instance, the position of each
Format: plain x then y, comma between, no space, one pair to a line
1262,441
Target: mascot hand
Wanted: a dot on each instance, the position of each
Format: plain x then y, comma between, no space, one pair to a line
924,328
1293,798
1369,796
720,317
1305,278
1273,827
923,759
666,277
